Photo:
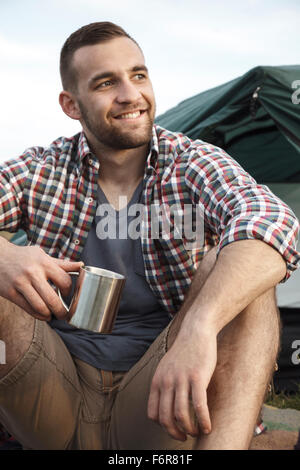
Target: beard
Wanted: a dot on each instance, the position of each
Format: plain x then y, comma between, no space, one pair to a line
115,137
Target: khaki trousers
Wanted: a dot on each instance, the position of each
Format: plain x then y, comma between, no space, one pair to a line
52,400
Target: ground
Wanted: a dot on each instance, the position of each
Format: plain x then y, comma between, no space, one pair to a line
283,427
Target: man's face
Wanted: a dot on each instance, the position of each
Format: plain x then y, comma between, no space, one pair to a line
114,94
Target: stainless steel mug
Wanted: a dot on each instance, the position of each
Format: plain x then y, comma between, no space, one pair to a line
96,299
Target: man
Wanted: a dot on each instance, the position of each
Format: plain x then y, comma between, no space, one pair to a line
197,381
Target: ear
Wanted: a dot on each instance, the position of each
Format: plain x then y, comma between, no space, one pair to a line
69,105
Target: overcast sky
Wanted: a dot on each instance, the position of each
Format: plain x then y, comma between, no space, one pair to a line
189,45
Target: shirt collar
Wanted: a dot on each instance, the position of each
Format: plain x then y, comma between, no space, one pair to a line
153,152
84,150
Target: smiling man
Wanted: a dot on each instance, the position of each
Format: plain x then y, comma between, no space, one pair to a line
196,335
112,120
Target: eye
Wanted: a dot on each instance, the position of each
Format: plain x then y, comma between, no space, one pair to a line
105,84
140,76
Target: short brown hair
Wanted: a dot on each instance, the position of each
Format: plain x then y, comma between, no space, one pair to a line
93,33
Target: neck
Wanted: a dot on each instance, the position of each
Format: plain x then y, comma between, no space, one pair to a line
123,167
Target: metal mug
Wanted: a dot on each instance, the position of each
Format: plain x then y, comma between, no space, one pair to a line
96,299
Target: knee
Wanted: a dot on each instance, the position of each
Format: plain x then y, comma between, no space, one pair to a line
13,319
265,306
268,297
257,324
7,309
16,333
208,262
262,318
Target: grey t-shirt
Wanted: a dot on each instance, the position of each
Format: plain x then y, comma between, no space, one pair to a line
140,317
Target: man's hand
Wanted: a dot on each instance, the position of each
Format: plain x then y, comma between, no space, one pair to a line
24,275
178,394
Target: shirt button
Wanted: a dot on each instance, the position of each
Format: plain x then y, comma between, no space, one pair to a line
76,242
90,200
91,162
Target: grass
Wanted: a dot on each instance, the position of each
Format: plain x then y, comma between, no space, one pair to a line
284,400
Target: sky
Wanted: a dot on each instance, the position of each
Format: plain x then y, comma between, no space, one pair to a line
189,46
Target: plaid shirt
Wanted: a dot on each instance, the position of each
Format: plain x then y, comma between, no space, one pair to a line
51,193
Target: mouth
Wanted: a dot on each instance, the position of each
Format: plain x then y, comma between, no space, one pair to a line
132,115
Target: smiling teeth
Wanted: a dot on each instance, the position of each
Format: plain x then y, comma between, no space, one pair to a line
130,115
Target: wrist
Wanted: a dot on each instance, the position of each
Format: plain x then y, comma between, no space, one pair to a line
199,325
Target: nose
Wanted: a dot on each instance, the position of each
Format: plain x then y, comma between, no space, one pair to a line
127,92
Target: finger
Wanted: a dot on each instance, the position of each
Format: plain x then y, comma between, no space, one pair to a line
67,265
58,273
183,411
50,297
166,415
199,398
35,301
60,278
153,402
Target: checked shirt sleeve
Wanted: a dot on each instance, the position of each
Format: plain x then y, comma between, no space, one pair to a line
13,175
237,208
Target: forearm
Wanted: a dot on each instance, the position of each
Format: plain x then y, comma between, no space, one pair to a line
243,271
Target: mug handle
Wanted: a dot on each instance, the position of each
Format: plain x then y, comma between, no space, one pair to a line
76,273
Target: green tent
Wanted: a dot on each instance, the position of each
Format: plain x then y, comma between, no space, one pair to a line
256,119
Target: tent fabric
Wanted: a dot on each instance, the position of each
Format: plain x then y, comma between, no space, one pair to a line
252,117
